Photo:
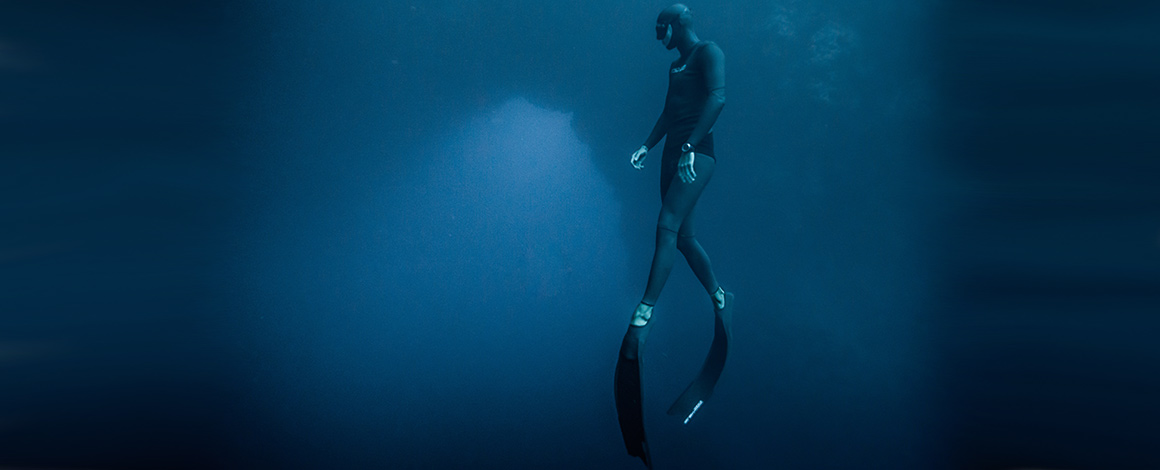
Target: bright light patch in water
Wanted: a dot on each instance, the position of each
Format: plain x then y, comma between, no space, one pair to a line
511,206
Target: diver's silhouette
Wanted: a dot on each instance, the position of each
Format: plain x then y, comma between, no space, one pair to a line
694,100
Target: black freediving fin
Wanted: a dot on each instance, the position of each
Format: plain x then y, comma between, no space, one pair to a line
628,395
702,387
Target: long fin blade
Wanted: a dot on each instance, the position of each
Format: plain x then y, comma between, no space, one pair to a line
701,388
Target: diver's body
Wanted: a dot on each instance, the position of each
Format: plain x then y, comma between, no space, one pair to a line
695,97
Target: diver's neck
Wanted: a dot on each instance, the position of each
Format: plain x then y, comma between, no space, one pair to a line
686,43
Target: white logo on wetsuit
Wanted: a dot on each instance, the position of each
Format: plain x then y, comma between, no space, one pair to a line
679,69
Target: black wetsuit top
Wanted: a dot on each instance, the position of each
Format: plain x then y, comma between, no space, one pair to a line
693,84
685,103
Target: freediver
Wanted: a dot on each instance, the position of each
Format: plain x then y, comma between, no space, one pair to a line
695,98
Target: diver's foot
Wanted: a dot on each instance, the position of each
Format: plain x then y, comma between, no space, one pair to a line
719,298
642,314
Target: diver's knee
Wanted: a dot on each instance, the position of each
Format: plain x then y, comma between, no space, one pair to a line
686,243
666,235
669,221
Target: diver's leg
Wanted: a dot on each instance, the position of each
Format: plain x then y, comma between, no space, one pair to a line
698,260
702,386
678,201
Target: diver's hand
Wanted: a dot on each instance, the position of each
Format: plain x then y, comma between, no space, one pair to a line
685,167
638,157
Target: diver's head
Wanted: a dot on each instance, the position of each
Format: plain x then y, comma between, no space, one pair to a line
673,22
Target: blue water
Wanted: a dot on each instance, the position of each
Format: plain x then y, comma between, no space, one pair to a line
407,235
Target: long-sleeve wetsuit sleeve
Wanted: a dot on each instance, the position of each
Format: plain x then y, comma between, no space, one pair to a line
658,132
713,65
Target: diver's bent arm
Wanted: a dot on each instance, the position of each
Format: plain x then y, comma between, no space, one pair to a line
714,67
658,131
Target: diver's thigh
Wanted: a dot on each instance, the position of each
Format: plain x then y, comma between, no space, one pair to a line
680,199
668,171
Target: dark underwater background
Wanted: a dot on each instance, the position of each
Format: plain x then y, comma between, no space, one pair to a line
406,235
